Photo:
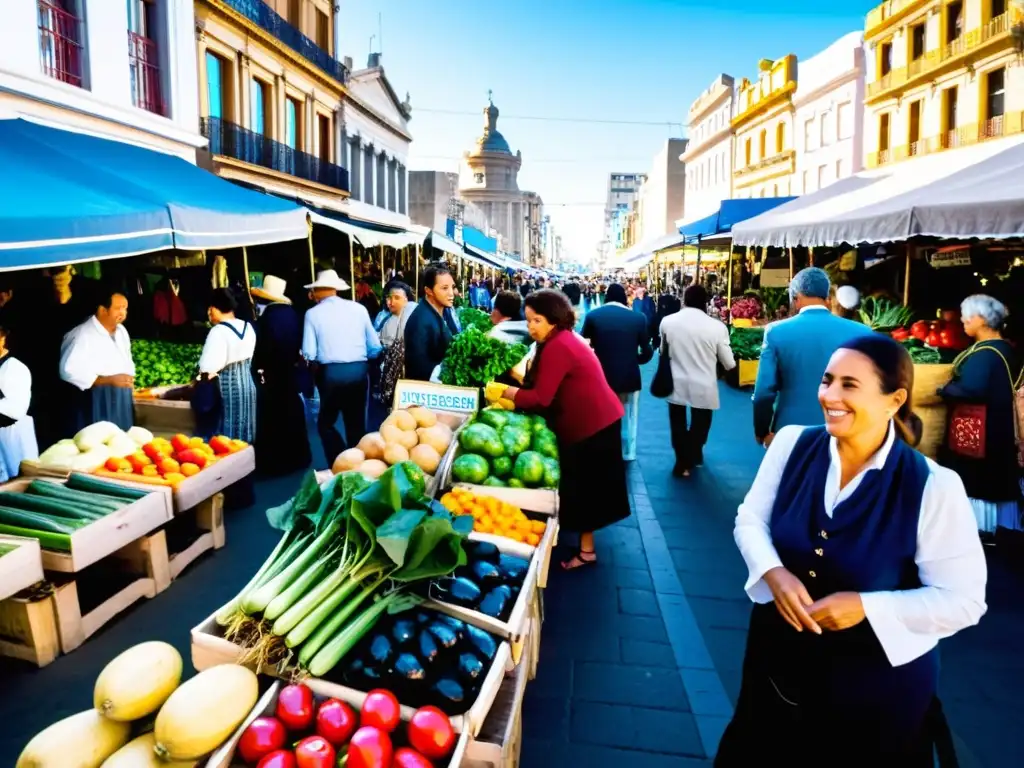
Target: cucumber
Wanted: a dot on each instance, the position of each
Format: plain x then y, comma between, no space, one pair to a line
92,484
48,506
58,541
38,521
92,500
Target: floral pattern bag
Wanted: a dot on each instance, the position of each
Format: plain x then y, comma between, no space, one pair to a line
967,421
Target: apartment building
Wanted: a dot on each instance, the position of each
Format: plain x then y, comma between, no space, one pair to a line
708,157
661,197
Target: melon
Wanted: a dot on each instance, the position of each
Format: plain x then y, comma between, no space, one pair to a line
372,445
348,460
395,453
426,458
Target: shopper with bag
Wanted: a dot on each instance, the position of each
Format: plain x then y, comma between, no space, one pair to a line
981,441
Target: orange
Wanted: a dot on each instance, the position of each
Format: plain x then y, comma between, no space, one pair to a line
532,539
538,526
174,477
150,470
485,520
451,502
188,469
196,442
168,465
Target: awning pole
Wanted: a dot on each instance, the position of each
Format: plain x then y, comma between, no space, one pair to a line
810,256
245,266
728,288
309,239
696,274
416,269
382,280
906,274
790,263
352,266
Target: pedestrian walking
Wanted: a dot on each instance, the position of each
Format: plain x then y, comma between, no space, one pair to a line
429,330
621,341
339,339
696,344
794,355
566,383
862,555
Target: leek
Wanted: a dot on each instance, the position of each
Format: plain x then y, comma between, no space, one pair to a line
283,554
325,634
258,600
296,589
321,612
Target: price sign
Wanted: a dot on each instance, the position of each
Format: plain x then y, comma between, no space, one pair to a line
436,396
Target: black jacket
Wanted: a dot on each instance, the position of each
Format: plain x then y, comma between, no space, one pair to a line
622,343
572,292
427,337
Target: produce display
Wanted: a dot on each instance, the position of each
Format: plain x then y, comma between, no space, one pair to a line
51,512
881,314
747,308
489,583
412,434
169,462
426,658
504,448
474,358
470,317
350,553
494,516
746,343
93,446
144,717
164,363
304,732
935,341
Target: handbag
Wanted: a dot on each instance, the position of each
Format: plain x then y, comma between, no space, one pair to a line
661,384
966,432
392,368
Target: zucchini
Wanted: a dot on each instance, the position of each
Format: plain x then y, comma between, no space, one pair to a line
48,506
58,541
90,484
92,500
38,521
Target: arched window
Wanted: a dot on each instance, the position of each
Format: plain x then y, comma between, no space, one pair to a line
764,144
780,136
747,158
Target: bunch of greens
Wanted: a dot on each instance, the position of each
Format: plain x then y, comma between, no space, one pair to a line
880,314
746,342
920,353
349,552
473,358
773,299
164,363
470,317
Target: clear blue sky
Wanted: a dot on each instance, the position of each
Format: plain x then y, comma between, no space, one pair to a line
642,60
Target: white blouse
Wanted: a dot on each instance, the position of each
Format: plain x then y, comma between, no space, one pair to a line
89,351
950,560
223,347
15,388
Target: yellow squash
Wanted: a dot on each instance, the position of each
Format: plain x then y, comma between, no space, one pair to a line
204,712
138,753
84,740
138,681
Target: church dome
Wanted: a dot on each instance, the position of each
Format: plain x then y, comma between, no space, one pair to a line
492,140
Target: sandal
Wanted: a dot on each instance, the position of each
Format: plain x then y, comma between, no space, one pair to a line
581,559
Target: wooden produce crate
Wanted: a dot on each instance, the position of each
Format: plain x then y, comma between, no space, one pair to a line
210,648
28,628
164,417
21,567
209,518
225,756
747,372
540,500
544,551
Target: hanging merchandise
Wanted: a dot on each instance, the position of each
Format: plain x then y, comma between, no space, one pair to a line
219,276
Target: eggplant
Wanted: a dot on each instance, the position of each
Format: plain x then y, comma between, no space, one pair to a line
372,673
486,574
444,634
427,647
495,601
482,642
409,668
513,568
422,617
450,694
354,671
403,631
460,591
470,667
381,650
481,550
456,624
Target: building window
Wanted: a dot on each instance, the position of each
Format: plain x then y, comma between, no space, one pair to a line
478,178
844,119
355,169
323,128
295,13
291,123
995,96
884,133
382,165
918,38
885,59
762,145
401,188
949,117
809,134
954,20
914,128
61,50
368,175
780,137
323,30
144,57
840,169
747,151
257,106
997,9
807,182
822,176
215,85
827,129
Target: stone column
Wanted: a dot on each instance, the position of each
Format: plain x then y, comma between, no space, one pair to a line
243,93
356,169
201,74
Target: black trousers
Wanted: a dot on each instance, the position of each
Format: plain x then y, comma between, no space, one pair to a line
688,441
343,389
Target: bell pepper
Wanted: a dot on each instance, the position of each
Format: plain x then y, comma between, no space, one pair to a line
901,334
919,330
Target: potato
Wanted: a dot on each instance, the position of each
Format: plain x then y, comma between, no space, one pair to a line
395,453
404,420
373,468
436,438
348,460
426,458
408,440
424,416
372,445
393,434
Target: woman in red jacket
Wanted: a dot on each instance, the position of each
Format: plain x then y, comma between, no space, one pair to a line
566,383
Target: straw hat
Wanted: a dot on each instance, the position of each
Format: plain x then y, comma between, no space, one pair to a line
272,290
328,278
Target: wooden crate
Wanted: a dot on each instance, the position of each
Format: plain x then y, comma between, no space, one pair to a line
165,417
747,373
28,629
21,567
209,517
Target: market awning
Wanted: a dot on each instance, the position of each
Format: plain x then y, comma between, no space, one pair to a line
973,192
69,197
367,234
437,240
728,215
482,257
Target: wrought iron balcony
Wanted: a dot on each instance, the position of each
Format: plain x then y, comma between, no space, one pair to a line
144,68
60,43
266,18
248,146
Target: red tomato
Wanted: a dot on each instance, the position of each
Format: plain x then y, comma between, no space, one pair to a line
381,710
900,334
280,758
336,721
933,339
946,339
369,748
263,736
315,752
431,733
919,330
410,758
295,707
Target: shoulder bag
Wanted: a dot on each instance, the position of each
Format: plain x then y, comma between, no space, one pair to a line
661,384
966,432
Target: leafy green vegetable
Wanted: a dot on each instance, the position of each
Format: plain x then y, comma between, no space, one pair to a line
470,317
164,363
746,342
473,358
880,314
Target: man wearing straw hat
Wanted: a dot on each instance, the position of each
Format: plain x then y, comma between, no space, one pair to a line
281,439
338,339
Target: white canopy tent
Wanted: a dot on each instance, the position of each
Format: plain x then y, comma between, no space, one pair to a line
974,192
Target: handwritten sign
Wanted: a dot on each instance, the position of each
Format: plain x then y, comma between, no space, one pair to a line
436,396
951,258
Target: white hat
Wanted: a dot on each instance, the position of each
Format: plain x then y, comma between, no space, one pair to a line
272,290
848,297
328,278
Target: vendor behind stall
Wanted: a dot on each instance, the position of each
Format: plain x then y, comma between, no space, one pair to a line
227,360
17,429
96,358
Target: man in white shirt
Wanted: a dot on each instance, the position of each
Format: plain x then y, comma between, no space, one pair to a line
505,316
96,358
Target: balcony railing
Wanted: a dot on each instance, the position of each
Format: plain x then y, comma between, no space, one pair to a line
248,146
60,46
266,18
1010,124
888,11
144,67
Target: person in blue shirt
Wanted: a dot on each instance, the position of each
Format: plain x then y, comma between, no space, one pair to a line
430,327
338,339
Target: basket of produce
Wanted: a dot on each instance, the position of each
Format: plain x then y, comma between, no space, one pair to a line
143,715
510,456
291,726
21,564
354,551
164,363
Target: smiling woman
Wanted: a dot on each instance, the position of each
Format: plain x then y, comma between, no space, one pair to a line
850,606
